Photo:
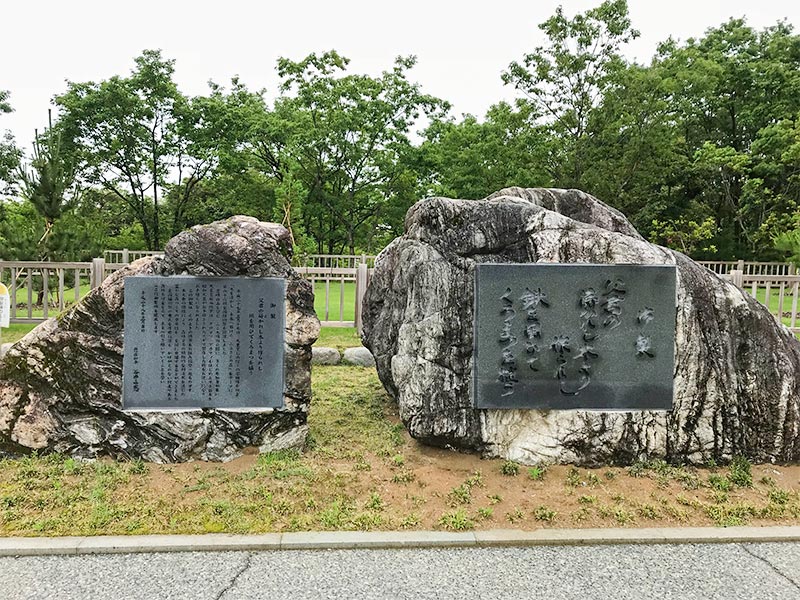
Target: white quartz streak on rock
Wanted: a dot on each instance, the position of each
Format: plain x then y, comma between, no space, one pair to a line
736,372
60,385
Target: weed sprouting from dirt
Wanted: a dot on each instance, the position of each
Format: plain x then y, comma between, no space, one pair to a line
362,471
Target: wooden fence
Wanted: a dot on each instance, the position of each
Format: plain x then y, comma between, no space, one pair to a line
725,267
40,290
333,261
126,256
343,290
314,261
778,293
339,281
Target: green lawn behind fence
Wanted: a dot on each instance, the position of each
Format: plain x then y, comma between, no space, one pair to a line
37,312
15,331
338,337
18,330
319,301
774,301
334,301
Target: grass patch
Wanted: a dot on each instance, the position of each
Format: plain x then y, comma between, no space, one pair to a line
741,472
335,301
456,520
361,471
338,337
509,468
544,513
349,415
16,331
537,473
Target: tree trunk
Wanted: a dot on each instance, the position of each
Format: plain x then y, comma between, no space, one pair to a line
156,233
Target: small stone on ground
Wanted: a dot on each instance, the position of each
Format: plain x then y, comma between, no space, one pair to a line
325,356
360,357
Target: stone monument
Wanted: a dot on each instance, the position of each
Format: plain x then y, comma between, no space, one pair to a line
61,385
735,378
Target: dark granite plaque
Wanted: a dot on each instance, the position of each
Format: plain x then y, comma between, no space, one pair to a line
573,336
203,342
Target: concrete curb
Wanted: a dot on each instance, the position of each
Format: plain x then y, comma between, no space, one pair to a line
331,540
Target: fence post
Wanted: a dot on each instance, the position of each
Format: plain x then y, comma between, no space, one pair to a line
740,265
98,273
362,274
737,277
125,256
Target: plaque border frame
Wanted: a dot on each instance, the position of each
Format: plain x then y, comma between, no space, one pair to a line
473,362
180,409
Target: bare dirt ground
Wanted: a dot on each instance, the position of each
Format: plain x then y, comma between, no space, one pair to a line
362,471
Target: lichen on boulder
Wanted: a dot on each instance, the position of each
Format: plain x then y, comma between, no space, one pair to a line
737,370
60,386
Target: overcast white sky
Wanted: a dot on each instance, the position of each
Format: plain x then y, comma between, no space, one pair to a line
462,46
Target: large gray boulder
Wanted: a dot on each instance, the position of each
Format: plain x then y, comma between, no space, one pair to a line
737,386
60,386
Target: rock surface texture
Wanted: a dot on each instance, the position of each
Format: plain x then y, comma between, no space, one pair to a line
358,356
320,355
60,386
737,370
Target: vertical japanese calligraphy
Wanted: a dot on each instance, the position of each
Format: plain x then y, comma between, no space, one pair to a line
203,342
570,336
508,364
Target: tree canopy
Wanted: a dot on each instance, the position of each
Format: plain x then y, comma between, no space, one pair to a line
700,147
9,153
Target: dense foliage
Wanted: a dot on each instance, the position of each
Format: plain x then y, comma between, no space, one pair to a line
700,148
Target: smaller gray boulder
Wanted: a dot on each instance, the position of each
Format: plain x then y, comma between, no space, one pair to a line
325,356
4,348
358,356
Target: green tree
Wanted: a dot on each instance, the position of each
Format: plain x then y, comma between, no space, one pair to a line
139,137
9,153
48,183
635,158
472,159
343,141
250,157
21,229
689,236
567,77
735,94
789,242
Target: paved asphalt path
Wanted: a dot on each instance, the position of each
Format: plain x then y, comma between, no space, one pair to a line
747,571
